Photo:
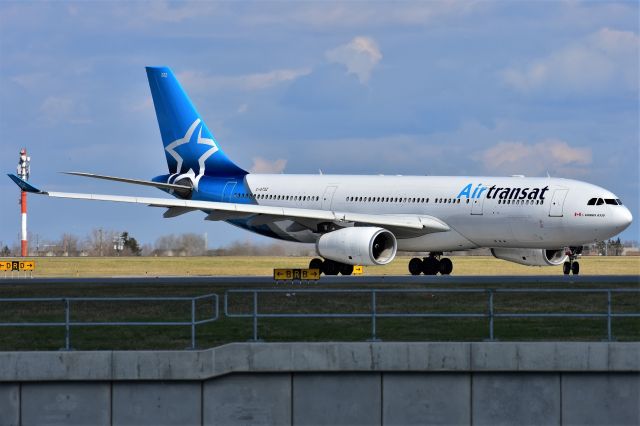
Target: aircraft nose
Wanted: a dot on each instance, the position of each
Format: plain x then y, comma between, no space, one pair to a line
623,218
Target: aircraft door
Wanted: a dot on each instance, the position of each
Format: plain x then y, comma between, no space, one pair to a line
327,197
557,202
477,206
227,192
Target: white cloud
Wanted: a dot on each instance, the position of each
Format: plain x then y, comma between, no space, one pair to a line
328,15
31,81
550,155
261,165
248,82
56,109
140,14
600,61
360,56
140,105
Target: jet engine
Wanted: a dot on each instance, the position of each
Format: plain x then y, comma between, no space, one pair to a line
531,257
358,246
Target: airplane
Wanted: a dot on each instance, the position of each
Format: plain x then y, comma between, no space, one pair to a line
366,220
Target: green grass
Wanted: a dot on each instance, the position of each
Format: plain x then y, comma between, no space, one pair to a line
263,265
308,329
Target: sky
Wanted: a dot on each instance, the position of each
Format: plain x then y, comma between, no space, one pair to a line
412,88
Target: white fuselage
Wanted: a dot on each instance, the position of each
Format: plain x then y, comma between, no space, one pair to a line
515,212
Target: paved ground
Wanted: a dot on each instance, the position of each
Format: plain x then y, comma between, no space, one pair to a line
239,281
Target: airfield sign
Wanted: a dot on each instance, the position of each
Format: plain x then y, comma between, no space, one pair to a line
17,265
296,274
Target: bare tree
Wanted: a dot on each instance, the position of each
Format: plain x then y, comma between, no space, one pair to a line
100,242
69,245
249,248
182,245
193,244
165,245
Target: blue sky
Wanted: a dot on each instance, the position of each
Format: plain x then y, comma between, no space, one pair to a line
441,88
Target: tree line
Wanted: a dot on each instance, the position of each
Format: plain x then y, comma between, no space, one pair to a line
101,242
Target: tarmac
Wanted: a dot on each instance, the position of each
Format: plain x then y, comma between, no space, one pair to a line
239,281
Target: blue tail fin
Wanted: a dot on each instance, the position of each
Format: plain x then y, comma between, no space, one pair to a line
190,148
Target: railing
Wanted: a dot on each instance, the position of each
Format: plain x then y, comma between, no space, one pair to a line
489,312
482,308
68,323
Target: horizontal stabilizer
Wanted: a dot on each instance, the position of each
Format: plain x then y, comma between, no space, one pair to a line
160,185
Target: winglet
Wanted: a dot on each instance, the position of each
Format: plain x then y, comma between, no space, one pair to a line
24,185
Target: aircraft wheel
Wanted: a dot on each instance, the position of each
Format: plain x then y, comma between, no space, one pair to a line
415,266
330,267
346,269
316,264
575,268
566,268
446,266
430,266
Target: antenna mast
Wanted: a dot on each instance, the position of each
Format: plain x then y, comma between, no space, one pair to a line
24,170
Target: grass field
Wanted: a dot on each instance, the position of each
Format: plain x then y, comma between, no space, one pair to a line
263,265
227,329
293,301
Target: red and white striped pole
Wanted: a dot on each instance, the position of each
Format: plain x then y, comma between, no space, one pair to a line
24,169
23,211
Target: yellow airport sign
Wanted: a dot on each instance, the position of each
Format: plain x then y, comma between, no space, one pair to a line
17,265
296,274
358,270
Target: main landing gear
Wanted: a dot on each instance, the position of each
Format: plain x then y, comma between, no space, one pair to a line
330,267
431,265
572,265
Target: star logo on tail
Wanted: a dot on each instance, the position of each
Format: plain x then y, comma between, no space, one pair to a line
191,145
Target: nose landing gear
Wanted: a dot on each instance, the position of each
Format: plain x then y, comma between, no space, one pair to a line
431,265
572,265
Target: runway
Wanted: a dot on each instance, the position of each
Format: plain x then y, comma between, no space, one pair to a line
267,281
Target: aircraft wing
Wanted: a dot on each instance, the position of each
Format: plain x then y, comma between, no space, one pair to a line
426,224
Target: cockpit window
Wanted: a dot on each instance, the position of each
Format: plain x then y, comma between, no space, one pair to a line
601,201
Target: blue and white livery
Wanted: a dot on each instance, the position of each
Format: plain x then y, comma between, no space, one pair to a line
366,219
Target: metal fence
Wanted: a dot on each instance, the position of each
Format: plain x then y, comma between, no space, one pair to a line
254,310
68,323
489,311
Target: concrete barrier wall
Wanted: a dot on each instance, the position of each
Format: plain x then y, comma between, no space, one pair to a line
327,383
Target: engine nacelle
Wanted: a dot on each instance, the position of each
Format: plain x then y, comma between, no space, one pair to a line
531,257
358,246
